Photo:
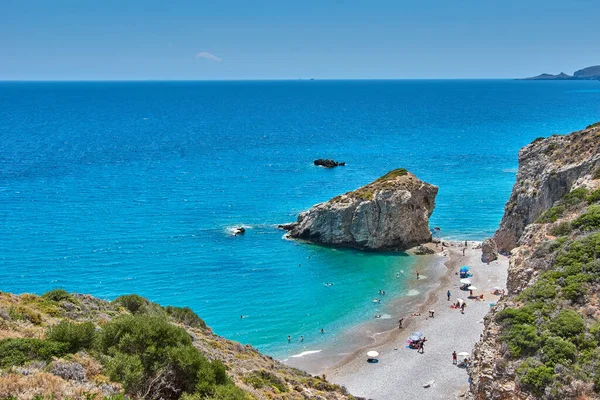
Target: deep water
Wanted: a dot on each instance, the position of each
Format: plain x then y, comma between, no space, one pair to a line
118,187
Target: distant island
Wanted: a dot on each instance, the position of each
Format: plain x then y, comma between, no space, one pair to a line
586,74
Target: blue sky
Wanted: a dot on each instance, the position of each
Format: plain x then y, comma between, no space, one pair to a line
279,39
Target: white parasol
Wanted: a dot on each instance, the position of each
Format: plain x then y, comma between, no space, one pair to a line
472,288
464,354
372,354
465,281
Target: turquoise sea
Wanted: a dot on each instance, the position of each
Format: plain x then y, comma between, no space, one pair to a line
118,187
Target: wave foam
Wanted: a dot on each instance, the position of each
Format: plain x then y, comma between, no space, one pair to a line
306,353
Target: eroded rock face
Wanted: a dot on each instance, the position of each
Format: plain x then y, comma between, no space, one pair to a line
548,169
391,213
489,251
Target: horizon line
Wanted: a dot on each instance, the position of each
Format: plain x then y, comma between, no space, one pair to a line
254,79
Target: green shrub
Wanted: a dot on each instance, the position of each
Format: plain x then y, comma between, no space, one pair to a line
522,339
59,295
551,215
590,220
562,229
596,173
575,196
20,351
579,252
543,289
186,316
229,392
534,375
567,324
558,351
75,336
134,303
575,287
522,315
262,378
21,313
126,369
593,197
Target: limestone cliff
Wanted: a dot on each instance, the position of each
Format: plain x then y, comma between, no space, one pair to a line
391,213
539,340
548,169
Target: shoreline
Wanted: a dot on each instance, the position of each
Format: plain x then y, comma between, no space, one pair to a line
373,332
448,331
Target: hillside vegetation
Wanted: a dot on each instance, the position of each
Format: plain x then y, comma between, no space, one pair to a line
70,346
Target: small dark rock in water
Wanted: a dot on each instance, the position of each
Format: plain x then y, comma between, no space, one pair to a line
437,228
239,231
423,250
328,163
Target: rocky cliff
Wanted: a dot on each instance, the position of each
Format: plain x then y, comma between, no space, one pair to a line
548,169
541,340
391,213
71,346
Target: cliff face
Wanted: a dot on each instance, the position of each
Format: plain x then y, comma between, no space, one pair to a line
548,169
391,213
539,341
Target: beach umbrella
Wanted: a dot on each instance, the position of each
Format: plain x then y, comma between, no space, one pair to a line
372,354
417,333
464,268
465,281
463,354
472,288
497,288
460,301
415,338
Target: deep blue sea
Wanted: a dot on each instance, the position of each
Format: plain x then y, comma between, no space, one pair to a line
118,187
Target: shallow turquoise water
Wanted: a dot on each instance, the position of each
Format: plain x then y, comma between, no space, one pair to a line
111,188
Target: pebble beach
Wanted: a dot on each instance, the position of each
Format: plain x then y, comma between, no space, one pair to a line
401,372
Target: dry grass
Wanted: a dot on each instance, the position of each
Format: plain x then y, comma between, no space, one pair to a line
41,384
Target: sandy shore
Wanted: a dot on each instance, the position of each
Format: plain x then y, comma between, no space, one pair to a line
401,372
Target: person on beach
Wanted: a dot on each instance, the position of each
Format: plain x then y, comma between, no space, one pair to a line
431,313
418,274
454,357
462,308
449,294
400,321
465,243
464,250
470,293
422,345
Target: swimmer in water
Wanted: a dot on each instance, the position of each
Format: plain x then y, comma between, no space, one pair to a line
322,330
302,338
289,338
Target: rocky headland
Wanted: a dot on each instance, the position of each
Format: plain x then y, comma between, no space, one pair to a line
541,340
391,213
585,74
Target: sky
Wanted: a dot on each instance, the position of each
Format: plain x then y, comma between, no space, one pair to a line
284,39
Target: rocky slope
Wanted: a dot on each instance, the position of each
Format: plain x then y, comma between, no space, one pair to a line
391,213
541,340
57,346
548,169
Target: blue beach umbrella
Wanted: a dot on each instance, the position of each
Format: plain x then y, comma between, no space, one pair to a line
464,268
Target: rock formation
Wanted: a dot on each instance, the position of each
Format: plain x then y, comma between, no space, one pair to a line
391,213
551,225
328,163
489,251
423,250
548,169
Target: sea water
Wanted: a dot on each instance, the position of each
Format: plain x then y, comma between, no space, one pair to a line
133,187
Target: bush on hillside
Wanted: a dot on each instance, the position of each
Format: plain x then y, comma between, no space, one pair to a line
19,351
75,336
59,295
590,220
186,316
134,303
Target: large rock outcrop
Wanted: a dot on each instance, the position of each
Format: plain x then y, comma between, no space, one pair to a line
391,213
548,169
557,183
